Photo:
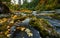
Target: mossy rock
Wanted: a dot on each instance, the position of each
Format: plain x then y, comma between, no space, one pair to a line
44,28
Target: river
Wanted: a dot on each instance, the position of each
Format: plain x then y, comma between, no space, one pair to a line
53,22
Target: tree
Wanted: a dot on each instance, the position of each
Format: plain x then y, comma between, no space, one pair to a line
5,0
46,5
58,4
30,5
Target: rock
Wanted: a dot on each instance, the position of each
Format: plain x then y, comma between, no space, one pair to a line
25,31
44,28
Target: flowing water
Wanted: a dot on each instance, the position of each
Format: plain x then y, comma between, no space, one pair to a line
53,22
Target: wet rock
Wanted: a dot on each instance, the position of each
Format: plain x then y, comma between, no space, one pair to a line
44,28
23,29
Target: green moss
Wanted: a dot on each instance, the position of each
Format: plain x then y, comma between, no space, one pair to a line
43,27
